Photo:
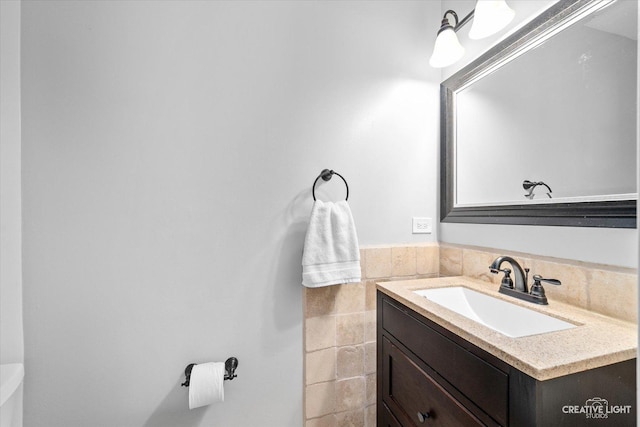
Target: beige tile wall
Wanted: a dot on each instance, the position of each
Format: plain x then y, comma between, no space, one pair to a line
612,291
340,337
340,320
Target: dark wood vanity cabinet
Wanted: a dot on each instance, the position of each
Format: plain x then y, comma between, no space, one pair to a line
428,376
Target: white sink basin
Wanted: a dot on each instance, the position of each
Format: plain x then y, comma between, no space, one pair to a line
509,319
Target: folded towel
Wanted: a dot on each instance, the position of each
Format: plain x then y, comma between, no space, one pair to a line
331,253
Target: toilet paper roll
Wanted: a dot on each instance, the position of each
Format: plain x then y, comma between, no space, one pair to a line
206,384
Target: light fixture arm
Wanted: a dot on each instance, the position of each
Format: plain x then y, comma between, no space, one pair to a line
464,20
458,24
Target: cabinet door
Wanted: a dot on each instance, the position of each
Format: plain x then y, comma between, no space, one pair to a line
414,397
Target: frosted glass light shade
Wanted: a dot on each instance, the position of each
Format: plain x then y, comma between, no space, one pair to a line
446,50
490,16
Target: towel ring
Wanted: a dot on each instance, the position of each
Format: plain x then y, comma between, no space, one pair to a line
326,175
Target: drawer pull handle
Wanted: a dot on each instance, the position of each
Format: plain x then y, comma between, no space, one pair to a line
423,417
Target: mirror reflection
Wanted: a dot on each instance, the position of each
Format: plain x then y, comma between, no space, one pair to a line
557,124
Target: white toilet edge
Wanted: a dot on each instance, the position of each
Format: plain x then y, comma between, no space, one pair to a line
11,375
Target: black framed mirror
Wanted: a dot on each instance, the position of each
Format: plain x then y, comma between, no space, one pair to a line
541,129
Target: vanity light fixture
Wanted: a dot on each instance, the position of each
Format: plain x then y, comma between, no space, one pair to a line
489,17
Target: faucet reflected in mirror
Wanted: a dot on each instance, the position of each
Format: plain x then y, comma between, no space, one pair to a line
530,186
521,289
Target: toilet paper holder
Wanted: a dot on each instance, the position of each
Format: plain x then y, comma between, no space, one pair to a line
230,366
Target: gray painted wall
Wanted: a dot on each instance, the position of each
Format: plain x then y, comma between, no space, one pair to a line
168,154
169,149
615,246
11,325
11,347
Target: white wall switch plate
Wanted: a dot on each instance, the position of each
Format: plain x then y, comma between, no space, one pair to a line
421,225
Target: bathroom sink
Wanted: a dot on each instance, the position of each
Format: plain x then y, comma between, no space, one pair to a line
509,319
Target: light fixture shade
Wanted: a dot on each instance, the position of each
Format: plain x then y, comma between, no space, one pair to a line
446,50
490,16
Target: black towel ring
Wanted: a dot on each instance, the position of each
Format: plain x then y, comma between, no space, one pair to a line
326,175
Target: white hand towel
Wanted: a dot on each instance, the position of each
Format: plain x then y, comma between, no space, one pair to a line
331,252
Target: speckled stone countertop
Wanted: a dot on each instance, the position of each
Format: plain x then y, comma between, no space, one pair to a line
597,341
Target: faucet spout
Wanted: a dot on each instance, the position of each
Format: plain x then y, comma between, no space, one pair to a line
519,273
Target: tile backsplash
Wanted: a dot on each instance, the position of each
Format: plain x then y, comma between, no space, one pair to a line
340,320
612,291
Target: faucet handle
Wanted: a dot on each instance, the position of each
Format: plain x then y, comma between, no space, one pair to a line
537,290
538,278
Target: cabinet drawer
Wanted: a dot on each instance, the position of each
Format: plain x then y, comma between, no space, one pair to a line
386,418
415,397
451,361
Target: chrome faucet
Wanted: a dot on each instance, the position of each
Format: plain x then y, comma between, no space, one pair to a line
521,288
